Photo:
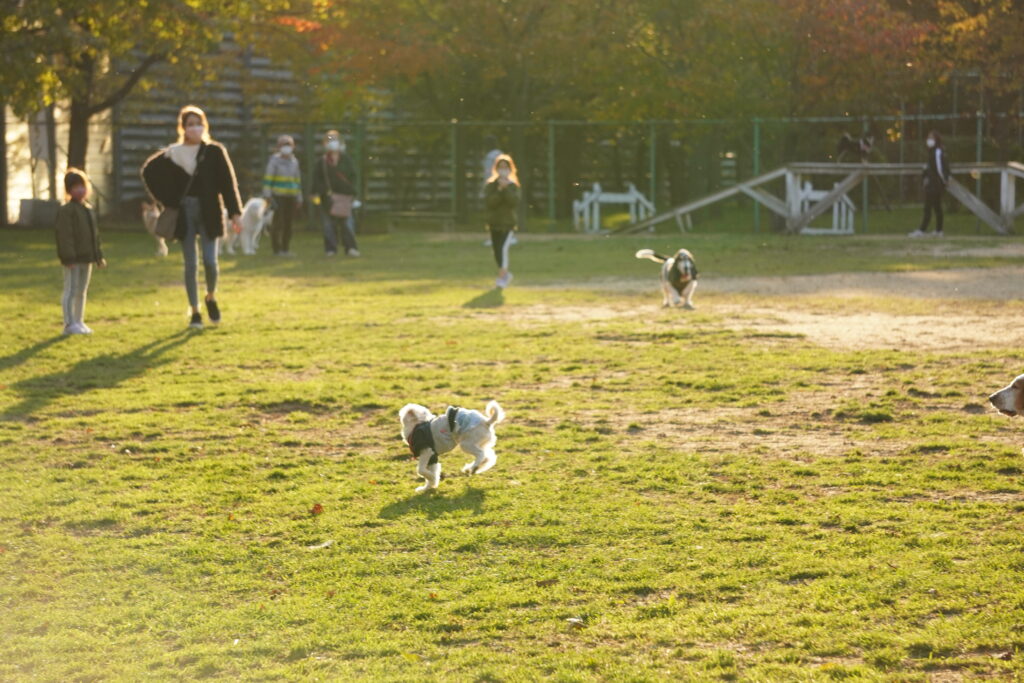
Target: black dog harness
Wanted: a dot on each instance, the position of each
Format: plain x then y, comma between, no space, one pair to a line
421,436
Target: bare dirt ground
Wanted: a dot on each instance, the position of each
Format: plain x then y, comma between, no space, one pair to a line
965,320
931,311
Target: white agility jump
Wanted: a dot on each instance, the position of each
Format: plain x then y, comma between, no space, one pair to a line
586,212
842,212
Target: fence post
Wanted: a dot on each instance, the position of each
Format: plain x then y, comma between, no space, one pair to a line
654,164
865,181
977,157
360,147
3,163
552,185
757,170
454,166
308,147
903,137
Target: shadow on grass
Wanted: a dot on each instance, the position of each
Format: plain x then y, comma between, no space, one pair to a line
19,357
437,504
100,372
492,299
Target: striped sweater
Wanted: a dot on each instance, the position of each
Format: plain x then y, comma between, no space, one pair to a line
282,177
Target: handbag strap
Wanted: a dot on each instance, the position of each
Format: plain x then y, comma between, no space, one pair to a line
327,177
199,160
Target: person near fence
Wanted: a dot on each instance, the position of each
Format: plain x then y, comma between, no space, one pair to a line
492,153
196,175
936,177
282,187
78,248
334,189
501,199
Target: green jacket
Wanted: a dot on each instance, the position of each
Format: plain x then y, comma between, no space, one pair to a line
502,205
78,240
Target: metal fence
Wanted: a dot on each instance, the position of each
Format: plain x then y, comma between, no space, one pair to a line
437,166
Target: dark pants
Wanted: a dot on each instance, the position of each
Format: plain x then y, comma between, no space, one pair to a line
334,225
281,227
932,200
499,242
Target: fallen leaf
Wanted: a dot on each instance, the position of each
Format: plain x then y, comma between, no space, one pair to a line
432,596
576,622
231,515
319,546
330,594
317,509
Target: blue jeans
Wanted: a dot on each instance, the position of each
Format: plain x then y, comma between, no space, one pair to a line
334,225
193,227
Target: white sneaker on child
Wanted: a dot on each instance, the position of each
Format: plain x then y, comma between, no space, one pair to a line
917,233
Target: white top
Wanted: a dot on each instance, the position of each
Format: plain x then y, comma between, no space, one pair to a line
184,155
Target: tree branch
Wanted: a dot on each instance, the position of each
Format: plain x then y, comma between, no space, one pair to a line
129,83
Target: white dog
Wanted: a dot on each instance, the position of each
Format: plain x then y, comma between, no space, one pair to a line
428,436
257,216
1010,399
150,213
678,276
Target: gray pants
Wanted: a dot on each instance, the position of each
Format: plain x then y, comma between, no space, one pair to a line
76,282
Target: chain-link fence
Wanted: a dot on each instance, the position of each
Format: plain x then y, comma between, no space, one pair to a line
417,166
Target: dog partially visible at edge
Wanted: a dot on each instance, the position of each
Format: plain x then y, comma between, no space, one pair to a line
1010,399
678,276
861,147
429,435
150,214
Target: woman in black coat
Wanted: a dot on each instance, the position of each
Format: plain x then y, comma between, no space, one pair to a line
212,193
936,177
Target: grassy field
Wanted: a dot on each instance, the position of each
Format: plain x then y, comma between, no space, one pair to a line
677,496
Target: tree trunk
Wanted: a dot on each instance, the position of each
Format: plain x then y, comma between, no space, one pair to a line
78,133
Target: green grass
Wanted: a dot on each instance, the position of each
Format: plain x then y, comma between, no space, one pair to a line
709,502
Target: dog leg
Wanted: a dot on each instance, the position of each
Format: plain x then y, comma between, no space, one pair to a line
484,459
430,473
666,294
688,295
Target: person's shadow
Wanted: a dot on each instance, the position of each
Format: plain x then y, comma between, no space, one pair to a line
490,299
437,504
19,357
98,372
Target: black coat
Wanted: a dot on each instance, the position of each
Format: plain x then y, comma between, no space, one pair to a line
339,178
214,184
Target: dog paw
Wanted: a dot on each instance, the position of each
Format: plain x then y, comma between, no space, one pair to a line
469,468
424,489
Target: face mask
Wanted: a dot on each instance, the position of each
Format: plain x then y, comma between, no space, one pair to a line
78,192
194,133
334,146
286,150
930,142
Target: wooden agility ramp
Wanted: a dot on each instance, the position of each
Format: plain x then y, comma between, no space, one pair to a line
798,217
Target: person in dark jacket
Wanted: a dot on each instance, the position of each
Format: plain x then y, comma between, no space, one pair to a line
335,174
501,199
936,176
78,247
212,194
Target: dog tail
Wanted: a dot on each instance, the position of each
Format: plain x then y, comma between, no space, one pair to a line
495,413
650,254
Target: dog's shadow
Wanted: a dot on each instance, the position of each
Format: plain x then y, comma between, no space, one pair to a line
437,504
490,299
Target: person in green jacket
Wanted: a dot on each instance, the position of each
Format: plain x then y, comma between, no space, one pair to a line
78,247
501,199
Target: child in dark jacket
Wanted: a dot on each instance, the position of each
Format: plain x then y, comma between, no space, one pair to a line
78,247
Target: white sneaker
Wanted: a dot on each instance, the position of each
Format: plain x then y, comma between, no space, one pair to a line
354,253
939,233
502,282
917,233
85,328
77,328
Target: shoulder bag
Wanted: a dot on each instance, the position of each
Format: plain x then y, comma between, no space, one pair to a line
341,204
167,221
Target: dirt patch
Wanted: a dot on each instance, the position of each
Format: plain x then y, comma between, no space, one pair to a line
782,306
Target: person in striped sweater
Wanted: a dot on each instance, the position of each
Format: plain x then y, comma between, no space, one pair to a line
282,187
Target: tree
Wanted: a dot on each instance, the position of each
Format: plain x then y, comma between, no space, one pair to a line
93,53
